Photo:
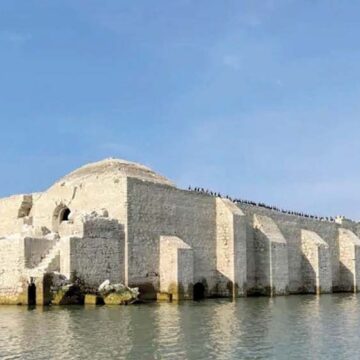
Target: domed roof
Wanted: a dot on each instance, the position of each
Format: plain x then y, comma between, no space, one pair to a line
116,167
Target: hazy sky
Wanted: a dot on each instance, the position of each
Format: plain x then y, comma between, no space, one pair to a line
255,99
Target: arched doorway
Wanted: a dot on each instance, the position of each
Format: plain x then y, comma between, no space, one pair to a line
64,215
199,292
32,294
61,214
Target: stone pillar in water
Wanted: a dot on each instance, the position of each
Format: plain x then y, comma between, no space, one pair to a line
316,265
349,256
176,268
230,249
271,258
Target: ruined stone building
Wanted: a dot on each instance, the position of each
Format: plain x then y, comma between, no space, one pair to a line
121,221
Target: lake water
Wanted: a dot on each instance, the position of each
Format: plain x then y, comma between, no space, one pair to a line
294,327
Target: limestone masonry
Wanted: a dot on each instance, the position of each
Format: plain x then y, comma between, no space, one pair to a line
120,221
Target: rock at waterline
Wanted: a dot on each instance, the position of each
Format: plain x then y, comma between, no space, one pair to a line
118,294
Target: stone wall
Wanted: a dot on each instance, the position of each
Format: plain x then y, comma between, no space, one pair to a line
20,262
82,197
291,227
176,268
234,248
349,245
230,249
12,214
156,210
316,267
271,258
12,264
97,255
36,249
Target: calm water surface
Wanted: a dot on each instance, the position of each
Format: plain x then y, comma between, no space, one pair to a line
294,327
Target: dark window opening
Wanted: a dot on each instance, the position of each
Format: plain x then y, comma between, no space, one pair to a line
61,214
32,294
64,216
199,292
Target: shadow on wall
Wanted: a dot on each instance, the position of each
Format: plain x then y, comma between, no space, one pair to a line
308,277
347,280
225,287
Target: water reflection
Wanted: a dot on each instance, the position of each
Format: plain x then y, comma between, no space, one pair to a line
301,327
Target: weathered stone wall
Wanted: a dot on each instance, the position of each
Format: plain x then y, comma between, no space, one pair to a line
230,249
12,264
36,249
291,226
235,248
176,268
65,256
99,254
23,259
271,258
349,245
316,267
82,196
156,210
11,216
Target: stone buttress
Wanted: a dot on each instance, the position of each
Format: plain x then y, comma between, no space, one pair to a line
176,268
349,253
230,249
271,258
316,266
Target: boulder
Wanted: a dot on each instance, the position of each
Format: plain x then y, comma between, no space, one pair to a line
118,294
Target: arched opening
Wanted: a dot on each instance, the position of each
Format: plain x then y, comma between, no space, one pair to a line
199,292
64,215
61,214
32,294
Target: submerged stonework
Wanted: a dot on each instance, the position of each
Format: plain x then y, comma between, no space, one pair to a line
120,221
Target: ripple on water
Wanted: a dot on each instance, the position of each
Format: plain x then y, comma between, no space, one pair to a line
301,327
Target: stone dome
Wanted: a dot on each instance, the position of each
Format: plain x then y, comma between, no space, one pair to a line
115,167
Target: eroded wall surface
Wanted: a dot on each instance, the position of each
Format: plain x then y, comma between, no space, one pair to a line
291,227
12,263
236,249
82,196
159,210
176,268
271,258
316,269
13,210
230,249
98,255
349,245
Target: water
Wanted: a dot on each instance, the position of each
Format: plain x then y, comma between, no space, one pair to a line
294,327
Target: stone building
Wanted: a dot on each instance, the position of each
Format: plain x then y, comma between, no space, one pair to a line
121,221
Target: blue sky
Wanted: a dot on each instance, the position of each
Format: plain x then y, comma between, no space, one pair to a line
256,99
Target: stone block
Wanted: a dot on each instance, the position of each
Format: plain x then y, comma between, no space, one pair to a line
91,299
